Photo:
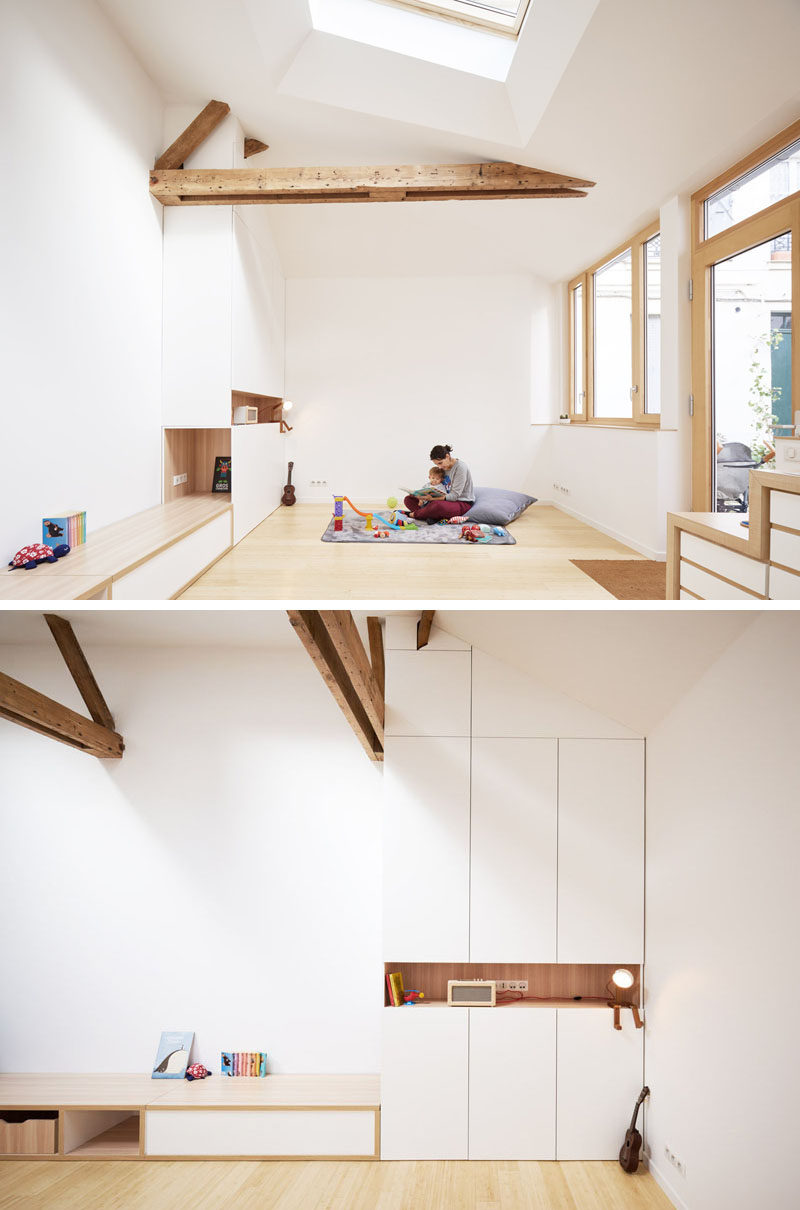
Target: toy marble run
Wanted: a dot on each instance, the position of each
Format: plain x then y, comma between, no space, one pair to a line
375,522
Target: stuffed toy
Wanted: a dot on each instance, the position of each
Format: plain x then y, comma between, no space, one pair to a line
197,1072
36,553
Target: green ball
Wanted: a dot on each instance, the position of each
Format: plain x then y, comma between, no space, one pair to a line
391,502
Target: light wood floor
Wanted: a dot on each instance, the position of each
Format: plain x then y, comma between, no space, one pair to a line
431,1185
283,559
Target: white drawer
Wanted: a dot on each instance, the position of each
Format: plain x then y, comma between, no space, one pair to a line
783,585
784,509
287,1132
729,563
711,588
166,573
784,548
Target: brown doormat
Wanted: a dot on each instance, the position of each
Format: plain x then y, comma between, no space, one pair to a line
627,579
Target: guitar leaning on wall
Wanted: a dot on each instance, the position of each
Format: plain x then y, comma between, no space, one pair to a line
288,492
631,1149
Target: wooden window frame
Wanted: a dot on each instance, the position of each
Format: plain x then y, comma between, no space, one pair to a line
466,14
766,224
639,419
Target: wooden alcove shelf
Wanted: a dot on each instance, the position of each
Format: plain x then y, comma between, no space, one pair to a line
548,982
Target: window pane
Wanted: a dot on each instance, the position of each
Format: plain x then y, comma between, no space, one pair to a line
613,348
751,364
652,330
579,390
769,182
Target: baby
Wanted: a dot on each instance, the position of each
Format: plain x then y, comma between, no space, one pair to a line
435,487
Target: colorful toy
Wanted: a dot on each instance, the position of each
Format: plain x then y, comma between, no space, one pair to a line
380,533
413,997
30,556
197,1072
479,533
400,523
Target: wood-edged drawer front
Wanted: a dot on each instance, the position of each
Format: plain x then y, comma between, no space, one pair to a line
166,573
783,585
710,588
784,549
22,1135
728,563
784,509
349,1133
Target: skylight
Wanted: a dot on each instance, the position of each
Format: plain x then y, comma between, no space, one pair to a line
500,16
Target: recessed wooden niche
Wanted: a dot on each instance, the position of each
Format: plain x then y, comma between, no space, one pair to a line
556,981
191,452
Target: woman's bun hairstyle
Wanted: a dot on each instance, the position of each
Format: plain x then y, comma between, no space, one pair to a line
440,451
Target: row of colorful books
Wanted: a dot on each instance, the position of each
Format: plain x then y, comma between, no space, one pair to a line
68,527
244,1062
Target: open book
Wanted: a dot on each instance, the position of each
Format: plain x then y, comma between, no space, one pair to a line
427,493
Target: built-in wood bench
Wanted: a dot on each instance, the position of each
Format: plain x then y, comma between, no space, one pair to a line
79,1117
153,555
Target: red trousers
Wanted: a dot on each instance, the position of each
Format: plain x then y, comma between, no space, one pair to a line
437,509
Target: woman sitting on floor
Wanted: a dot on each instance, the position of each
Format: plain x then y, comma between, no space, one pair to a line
460,494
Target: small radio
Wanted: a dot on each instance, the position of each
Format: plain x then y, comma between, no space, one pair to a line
472,993
245,415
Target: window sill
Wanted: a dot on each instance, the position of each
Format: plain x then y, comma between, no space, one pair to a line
643,427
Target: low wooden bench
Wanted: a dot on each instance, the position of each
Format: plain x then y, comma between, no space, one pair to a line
79,1117
153,555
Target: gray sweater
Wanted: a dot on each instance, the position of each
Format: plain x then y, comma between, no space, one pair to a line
460,483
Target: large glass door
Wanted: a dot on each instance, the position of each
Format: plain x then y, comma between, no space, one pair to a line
751,299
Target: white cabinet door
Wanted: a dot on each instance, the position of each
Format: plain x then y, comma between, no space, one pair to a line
258,472
599,1079
600,850
424,1083
512,1083
426,850
514,847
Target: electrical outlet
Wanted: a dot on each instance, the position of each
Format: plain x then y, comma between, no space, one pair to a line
178,479
318,482
676,1163
512,985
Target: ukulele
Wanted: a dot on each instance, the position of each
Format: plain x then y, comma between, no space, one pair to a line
630,1150
288,491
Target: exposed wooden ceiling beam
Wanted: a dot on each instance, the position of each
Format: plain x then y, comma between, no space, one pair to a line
424,627
79,669
330,640
410,183
376,654
253,147
29,708
194,134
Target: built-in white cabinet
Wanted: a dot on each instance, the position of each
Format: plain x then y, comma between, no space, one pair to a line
514,838
599,1078
512,1080
600,850
258,455
424,1085
426,849
517,1083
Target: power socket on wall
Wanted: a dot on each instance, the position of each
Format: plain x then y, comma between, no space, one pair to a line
560,488
318,482
178,479
512,985
676,1163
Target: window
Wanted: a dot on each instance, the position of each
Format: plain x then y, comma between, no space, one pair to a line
500,16
746,229
615,337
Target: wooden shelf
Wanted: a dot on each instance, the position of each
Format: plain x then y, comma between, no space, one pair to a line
269,406
191,452
550,982
117,1142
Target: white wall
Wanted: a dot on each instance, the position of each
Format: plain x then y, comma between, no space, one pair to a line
380,370
80,244
723,901
224,876
223,294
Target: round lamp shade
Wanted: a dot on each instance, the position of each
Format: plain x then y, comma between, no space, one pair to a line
287,405
622,977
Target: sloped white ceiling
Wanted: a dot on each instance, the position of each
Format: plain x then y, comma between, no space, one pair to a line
648,99
630,665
